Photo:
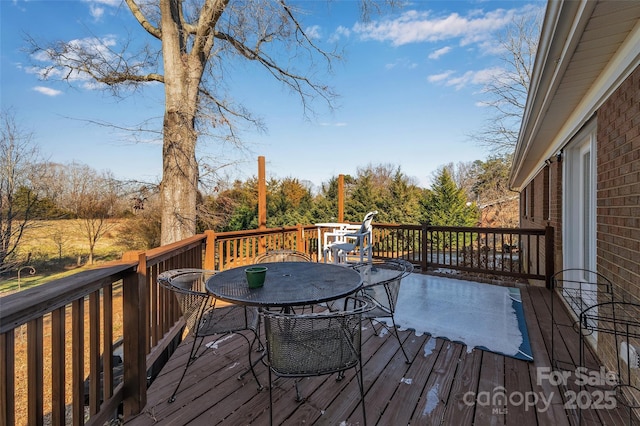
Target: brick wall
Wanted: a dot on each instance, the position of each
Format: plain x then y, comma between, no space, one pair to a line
536,207
618,193
618,204
534,202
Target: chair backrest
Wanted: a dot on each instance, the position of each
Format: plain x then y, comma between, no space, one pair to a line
366,222
282,256
365,228
188,286
381,281
300,345
582,288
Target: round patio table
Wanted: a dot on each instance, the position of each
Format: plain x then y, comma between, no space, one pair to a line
286,284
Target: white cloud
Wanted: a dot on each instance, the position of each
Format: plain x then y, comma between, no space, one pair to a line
112,3
96,12
401,63
339,33
97,8
47,91
479,77
415,27
442,51
435,78
338,124
76,53
487,75
313,32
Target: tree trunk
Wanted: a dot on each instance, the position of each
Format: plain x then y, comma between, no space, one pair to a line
179,178
182,75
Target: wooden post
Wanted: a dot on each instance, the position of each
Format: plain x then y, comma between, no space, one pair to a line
135,357
300,243
340,198
210,250
549,255
424,252
262,202
262,194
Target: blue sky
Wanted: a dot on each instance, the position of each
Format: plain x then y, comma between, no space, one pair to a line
410,92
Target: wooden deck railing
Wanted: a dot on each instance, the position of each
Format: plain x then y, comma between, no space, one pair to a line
520,253
53,337
514,252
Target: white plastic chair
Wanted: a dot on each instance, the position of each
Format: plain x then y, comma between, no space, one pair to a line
359,242
337,236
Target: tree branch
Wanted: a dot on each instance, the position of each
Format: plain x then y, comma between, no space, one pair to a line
142,19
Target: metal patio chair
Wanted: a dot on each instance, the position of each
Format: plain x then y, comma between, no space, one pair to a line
203,318
316,344
381,284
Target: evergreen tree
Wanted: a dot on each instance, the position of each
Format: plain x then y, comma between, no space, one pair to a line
446,204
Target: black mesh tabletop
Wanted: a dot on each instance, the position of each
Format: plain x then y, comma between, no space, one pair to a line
286,284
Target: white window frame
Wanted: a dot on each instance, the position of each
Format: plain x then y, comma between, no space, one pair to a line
579,209
579,252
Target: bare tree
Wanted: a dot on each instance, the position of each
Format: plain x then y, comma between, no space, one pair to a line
97,209
198,38
464,174
506,92
60,239
91,197
20,171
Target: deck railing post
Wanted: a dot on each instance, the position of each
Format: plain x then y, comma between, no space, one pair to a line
549,255
340,198
300,242
262,203
210,250
425,240
134,338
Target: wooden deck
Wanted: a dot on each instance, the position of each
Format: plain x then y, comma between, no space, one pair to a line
434,389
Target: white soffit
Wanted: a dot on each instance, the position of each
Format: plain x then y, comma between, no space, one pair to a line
594,62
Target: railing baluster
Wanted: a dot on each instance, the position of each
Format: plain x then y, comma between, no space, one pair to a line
58,368
107,320
7,370
35,370
77,361
94,353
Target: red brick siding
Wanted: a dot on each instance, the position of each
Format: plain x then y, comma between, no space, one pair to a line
536,194
618,193
618,198
536,197
618,203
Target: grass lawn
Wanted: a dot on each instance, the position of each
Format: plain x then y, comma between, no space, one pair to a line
60,248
